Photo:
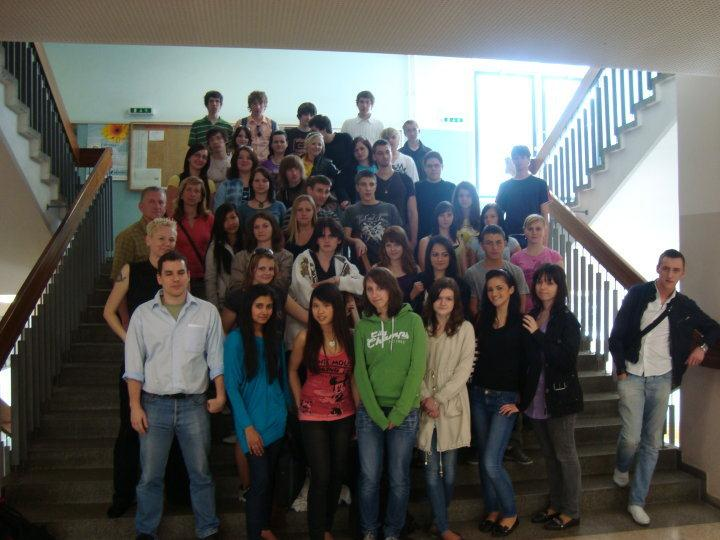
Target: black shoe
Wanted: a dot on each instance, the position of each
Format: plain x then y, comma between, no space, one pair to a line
143,536
516,454
118,508
541,516
486,525
501,530
556,524
213,536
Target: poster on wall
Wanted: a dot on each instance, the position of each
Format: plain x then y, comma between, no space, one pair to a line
116,137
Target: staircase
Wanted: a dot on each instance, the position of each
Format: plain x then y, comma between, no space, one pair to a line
28,120
67,482
615,119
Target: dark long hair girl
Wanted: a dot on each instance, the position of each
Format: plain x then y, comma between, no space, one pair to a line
223,258
328,294
269,331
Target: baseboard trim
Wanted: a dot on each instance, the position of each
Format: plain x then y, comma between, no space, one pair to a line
702,475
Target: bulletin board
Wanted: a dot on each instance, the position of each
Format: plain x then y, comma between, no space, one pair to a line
157,152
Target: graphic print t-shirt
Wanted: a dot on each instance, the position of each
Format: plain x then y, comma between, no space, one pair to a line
368,222
326,395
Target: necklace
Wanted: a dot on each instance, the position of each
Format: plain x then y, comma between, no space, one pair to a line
261,204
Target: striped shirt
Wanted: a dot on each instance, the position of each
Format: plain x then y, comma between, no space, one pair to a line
199,129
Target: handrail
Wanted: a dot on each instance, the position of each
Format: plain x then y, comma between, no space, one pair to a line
618,267
21,309
55,91
573,105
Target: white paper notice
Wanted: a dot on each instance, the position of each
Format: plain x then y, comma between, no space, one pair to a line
156,135
143,178
138,149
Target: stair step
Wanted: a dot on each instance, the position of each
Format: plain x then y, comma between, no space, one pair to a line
600,495
100,352
95,485
93,314
588,361
600,404
80,398
596,381
98,332
80,373
99,296
97,454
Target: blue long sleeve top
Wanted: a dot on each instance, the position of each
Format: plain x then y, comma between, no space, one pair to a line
255,402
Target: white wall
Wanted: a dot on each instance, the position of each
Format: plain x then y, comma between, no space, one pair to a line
99,83
699,196
24,232
648,196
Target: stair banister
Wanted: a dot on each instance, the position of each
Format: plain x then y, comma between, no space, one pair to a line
32,288
587,82
54,90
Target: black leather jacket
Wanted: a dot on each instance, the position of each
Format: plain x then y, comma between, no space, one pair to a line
560,345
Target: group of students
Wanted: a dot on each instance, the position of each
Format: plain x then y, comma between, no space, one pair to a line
325,313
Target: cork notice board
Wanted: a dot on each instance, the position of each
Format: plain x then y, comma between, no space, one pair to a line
157,152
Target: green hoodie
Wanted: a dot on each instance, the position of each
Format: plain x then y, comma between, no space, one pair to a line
390,358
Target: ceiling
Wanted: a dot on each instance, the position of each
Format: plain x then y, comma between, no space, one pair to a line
681,36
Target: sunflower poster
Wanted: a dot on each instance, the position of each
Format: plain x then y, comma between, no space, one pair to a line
117,137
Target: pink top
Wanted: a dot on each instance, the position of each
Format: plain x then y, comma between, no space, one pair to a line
200,233
529,263
326,395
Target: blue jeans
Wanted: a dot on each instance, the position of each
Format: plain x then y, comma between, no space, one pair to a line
492,431
643,406
372,442
440,488
189,419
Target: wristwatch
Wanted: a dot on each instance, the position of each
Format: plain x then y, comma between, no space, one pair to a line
704,347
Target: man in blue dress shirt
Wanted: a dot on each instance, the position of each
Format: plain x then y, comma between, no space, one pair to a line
173,342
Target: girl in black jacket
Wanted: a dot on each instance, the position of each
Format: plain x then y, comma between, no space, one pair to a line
558,396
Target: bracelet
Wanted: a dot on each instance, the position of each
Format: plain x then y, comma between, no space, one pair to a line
704,347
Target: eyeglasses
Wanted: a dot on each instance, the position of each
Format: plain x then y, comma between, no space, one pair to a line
259,131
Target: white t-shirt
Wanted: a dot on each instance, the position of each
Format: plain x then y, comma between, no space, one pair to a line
406,164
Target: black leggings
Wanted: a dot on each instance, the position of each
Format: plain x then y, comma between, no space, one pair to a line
326,447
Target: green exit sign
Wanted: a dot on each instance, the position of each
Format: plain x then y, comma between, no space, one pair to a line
141,110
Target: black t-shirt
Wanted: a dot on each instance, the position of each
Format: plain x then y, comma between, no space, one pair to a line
428,195
519,198
502,362
143,284
322,275
396,190
340,151
417,156
296,141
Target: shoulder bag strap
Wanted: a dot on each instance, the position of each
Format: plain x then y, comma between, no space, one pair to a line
192,244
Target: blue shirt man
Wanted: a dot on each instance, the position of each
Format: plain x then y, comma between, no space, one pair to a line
173,342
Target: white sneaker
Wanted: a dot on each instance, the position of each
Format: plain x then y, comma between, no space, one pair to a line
638,514
621,479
